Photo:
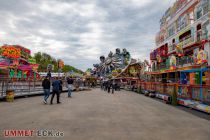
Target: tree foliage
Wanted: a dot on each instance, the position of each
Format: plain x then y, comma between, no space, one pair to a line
43,59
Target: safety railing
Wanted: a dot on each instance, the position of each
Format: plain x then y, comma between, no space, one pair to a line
206,93
143,86
170,88
201,93
160,88
196,92
23,87
184,91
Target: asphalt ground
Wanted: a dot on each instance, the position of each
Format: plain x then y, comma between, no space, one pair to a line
97,115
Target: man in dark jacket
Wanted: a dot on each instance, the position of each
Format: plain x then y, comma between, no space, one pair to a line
109,84
56,85
70,82
61,86
46,87
113,86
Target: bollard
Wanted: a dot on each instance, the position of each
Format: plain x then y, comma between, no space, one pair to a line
174,95
10,95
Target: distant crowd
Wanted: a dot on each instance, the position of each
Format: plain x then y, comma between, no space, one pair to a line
73,84
57,87
110,86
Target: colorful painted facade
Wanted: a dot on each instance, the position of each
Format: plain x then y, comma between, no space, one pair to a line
180,62
15,60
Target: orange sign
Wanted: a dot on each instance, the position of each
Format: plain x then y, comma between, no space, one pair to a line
11,52
60,63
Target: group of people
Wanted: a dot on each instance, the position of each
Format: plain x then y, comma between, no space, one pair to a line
57,85
110,84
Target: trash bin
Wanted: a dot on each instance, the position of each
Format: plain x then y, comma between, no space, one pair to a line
10,95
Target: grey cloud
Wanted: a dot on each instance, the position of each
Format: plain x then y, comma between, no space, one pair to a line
81,31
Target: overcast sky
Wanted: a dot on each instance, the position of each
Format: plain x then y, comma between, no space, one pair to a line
79,32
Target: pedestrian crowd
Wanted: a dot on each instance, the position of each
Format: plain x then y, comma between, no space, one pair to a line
110,86
57,88
71,83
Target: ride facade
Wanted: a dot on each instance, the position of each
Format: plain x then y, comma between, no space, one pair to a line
180,64
14,59
18,72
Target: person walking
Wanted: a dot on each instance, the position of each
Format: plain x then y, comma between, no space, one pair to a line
102,83
113,86
108,86
105,85
46,87
70,82
56,85
61,86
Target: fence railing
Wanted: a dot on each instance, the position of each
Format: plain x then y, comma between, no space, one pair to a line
194,92
184,91
22,87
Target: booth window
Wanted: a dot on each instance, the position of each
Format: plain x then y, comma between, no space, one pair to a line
185,36
199,13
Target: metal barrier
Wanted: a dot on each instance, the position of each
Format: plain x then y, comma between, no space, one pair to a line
22,87
143,85
196,92
201,93
170,88
160,88
193,96
206,93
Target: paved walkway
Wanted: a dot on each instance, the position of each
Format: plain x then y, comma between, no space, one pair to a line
96,115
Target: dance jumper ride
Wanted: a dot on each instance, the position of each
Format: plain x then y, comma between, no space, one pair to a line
119,67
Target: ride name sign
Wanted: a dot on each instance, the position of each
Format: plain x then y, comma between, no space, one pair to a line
32,133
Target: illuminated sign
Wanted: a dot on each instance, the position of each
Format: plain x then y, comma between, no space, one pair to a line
10,52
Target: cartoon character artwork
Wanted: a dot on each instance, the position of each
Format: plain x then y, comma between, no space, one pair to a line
117,54
115,72
159,59
195,54
12,73
132,71
179,51
202,57
19,74
196,93
126,57
183,92
172,62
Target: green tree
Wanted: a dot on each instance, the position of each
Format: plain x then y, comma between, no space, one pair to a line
43,59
